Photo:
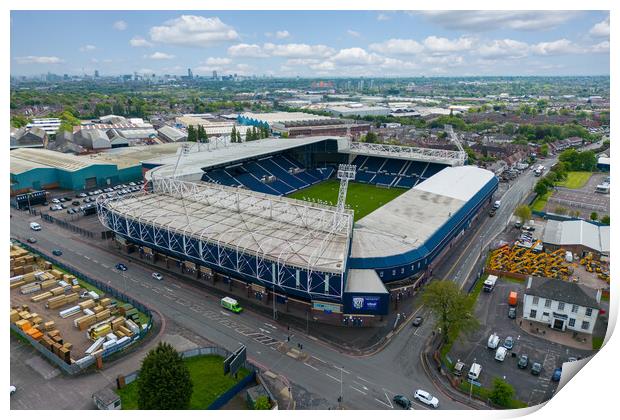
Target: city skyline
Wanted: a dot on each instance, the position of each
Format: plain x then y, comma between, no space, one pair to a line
348,44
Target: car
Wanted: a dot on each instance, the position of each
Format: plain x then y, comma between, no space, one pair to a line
55,200
57,252
70,211
536,368
557,374
491,212
121,267
402,401
133,184
508,343
523,362
500,354
518,224
32,240
426,398
75,203
417,321
81,195
512,312
35,226
157,276
12,389
572,359
62,206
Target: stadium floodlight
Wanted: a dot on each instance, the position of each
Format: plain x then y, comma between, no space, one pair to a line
346,173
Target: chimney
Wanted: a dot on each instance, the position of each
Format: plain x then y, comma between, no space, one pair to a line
599,293
529,282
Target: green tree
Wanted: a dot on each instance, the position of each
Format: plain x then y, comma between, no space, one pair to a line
262,403
450,306
501,393
560,210
248,134
191,133
370,137
239,140
594,216
254,133
164,382
233,135
523,212
544,150
284,135
541,187
605,219
19,121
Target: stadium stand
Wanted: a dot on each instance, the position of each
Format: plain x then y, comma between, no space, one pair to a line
393,172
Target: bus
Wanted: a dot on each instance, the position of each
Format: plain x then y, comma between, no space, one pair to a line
231,304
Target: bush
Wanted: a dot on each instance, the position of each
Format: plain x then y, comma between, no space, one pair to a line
501,393
262,403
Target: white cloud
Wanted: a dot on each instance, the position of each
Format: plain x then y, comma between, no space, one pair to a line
120,25
302,61
503,48
353,33
440,45
601,29
145,71
138,41
382,17
217,61
397,46
246,51
484,20
282,34
559,47
37,59
195,31
356,56
297,50
601,47
160,56
87,47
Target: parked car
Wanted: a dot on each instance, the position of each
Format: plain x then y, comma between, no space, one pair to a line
35,226
500,354
121,267
70,211
493,341
508,342
55,200
32,240
417,321
572,359
158,276
81,195
57,252
512,312
536,368
12,389
557,374
523,362
76,203
426,398
402,401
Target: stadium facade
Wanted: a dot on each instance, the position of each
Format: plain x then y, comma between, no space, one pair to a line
224,211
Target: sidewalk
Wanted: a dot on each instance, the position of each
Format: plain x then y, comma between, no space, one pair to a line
566,338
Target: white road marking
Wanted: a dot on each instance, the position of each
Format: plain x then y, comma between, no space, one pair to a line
342,369
335,379
322,361
264,330
269,325
388,406
310,366
224,313
362,385
388,399
358,390
95,261
362,379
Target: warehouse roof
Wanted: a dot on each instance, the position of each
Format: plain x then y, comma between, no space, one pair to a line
172,133
577,232
25,160
131,156
280,117
409,220
563,291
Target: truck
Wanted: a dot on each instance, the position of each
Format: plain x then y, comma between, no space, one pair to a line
231,304
512,298
489,283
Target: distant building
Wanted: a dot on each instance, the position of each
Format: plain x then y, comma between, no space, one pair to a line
603,164
92,139
28,138
171,134
355,109
50,125
214,75
561,305
96,74
190,75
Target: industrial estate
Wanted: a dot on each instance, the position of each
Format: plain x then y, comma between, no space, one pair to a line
248,242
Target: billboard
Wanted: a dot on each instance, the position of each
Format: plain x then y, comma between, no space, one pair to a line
326,307
366,303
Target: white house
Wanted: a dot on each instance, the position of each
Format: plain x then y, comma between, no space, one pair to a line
561,304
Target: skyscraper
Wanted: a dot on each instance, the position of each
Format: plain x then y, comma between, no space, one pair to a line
214,74
190,75
96,74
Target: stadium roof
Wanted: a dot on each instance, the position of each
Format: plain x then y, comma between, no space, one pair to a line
282,117
409,220
577,232
364,281
279,229
192,164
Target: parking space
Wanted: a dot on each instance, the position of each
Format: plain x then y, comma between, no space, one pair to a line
584,200
492,313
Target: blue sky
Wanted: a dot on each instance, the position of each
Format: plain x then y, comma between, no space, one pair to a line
314,43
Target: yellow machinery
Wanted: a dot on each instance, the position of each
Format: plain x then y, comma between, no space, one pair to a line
528,261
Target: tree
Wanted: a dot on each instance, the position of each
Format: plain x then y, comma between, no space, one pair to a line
594,216
560,210
541,188
370,137
544,150
248,135
233,135
524,213
605,219
191,133
239,140
501,393
262,403
164,381
254,133
450,306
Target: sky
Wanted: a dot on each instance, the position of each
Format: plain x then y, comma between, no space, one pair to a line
311,43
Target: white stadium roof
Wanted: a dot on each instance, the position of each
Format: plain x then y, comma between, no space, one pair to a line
406,222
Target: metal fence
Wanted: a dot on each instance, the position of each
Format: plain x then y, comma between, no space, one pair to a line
67,225
88,360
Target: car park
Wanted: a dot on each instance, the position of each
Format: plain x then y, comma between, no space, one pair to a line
157,276
508,343
426,398
536,368
403,401
523,362
57,252
417,321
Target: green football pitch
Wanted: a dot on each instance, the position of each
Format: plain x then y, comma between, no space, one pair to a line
362,198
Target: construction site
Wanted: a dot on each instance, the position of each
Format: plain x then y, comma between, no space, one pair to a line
69,317
531,261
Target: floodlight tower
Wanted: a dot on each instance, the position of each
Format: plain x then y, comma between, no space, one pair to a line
455,139
184,150
346,173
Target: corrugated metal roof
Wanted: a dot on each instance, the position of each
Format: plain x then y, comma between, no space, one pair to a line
577,232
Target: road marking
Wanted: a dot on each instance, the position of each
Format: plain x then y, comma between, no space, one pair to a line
95,261
105,265
335,379
342,369
310,366
224,313
388,406
270,326
169,289
362,379
388,399
264,330
358,390
85,256
176,285
360,384
322,361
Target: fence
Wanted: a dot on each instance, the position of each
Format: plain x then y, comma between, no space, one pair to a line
88,360
204,351
563,218
67,225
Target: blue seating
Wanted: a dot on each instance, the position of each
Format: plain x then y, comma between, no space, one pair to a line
364,177
381,179
255,184
406,182
393,166
432,169
282,174
416,168
372,164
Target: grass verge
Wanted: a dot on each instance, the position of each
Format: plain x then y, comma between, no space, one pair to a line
597,342
541,201
484,393
575,180
207,375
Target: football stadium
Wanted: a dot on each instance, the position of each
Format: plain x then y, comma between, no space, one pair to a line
325,221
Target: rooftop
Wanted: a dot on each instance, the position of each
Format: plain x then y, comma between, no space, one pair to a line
364,281
25,160
577,232
563,291
281,117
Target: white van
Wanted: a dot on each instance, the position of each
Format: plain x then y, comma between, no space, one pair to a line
500,354
493,341
474,371
35,226
497,204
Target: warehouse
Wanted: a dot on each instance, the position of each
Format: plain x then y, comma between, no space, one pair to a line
268,119
577,236
355,109
171,134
